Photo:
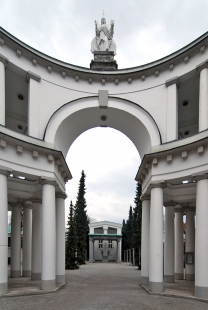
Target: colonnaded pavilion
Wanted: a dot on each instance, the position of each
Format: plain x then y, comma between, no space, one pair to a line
162,107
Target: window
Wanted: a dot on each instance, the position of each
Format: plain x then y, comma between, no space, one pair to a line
110,244
100,244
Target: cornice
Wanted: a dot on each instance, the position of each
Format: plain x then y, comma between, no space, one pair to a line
155,67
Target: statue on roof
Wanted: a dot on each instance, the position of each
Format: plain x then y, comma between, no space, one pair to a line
104,37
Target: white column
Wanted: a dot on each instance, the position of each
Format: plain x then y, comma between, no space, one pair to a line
203,97
156,239
172,109
91,252
60,237
119,250
16,241
201,241
48,251
3,63
169,243
179,244
33,104
145,239
4,233
190,243
27,242
36,239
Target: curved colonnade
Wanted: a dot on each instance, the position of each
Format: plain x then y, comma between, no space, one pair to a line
162,107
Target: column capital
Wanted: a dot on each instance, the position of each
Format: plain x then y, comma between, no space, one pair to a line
61,195
179,209
4,60
157,185
15,205
4,172
174,80
202,66
201,177
170,203
35,200
145,197
49,182
31,75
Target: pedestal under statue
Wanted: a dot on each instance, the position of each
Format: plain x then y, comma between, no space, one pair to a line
103,47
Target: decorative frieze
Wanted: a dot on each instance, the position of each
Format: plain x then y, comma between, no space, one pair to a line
184,154
129,80
116,81
35,154
49,69
157,72
103,81
186,59
34,62
63,73
19,149
2,144
155,161
77,78
143,77
90,80
50,158
1,42
18,52
57,162
169,159
171,67
200,150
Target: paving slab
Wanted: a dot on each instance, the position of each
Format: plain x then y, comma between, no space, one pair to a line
96,286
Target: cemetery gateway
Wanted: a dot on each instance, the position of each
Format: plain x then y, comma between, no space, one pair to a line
162,107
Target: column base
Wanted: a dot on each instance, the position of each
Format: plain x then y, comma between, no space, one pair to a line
169,278
15,273
201,292
179,276
156,287
48,285
145,280
3,288
26,273
60,279
190,277
36,276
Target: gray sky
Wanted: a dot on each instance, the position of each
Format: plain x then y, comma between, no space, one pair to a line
144,31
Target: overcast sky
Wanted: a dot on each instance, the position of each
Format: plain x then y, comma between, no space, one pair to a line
144,31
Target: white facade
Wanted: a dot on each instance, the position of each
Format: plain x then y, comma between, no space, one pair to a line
105,239
162,107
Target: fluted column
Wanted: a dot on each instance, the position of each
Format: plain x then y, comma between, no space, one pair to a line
190,244
169,242
201,240
60,237
156,239
16,241
27,242
48,251
3,64
179,244
145,239
36,239
4,233
172,109
203,96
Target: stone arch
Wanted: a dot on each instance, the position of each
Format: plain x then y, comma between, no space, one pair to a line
75,117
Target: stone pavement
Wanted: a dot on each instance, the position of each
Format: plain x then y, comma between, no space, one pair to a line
97,286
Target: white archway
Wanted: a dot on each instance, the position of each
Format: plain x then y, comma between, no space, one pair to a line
75,117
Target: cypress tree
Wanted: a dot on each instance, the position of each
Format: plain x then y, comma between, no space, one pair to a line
129,230
136,225
81,220
71,241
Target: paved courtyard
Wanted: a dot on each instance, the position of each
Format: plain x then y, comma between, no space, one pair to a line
97,286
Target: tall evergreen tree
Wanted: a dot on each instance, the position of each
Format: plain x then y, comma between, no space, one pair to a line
136,225
123,238
71,241
81,220
129,229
